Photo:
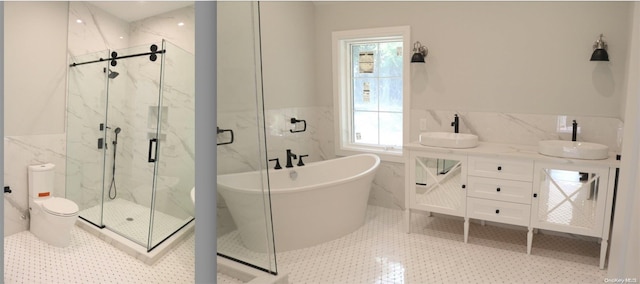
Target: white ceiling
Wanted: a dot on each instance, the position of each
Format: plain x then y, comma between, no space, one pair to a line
131,11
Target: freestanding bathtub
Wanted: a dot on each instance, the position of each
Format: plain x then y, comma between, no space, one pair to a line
310,205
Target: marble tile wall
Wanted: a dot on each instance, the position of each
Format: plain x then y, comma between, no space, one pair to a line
316,141
19,153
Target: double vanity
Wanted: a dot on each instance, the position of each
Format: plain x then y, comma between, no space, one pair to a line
561,186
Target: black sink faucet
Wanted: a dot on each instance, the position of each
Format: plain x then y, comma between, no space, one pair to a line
574,134
456,123
289,156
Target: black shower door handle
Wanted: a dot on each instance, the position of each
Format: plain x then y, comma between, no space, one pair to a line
151,149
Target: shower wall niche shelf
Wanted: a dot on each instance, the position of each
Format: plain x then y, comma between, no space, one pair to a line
512,184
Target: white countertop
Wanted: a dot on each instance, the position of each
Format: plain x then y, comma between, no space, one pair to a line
497,150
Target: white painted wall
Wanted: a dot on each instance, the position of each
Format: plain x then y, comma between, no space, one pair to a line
35,43
288,54
518,57
236,62
35,47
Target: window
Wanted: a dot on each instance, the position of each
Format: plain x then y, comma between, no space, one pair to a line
371,91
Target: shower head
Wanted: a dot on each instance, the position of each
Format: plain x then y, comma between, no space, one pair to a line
113,74
117,130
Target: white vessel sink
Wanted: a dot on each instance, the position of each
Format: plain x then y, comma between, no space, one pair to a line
448,140
573,149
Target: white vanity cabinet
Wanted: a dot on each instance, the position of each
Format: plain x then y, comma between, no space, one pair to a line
574,199
436,183
499,190
514,185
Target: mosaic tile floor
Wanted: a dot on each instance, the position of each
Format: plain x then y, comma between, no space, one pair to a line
380,252
91,260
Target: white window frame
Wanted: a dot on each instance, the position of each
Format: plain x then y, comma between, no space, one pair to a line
342,91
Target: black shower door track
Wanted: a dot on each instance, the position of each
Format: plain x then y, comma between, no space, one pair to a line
118,57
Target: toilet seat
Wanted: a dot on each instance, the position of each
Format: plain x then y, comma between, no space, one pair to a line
60,207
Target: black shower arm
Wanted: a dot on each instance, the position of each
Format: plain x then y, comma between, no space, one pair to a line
294,121
225,130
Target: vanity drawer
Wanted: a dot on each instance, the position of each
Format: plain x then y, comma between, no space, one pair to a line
501,168
498,211
500,189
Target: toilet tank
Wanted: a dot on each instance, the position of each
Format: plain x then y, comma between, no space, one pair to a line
41,178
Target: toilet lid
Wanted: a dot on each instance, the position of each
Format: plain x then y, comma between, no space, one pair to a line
60,206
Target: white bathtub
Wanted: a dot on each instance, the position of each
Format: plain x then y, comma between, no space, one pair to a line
327,200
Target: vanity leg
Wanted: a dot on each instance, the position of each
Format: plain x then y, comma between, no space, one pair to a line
603,252
466,229
529,240
407,221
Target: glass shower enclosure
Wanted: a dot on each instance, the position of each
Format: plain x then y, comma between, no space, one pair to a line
241,112
130,140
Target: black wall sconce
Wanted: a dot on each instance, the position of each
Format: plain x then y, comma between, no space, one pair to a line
419,53
600,50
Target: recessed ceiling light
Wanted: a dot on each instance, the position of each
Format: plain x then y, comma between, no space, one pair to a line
121,37
79,21
180,24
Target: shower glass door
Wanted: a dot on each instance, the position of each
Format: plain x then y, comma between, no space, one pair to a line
132,138
241,110
86,111
174,177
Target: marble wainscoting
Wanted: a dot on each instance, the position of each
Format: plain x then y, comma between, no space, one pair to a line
388,186
316,141
522,129
244,155
19,153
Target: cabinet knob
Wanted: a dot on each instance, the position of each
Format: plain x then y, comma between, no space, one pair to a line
535,195
498,189
497,211
499,168
464,186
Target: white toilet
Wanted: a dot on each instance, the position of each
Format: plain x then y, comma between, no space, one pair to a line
52,218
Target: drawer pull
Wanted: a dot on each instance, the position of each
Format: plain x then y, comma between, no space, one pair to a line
498,189
464,186
497,211
535,195
499,168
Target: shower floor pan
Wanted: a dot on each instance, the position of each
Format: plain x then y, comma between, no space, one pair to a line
126,218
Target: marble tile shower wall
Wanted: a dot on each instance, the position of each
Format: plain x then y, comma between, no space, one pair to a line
19,153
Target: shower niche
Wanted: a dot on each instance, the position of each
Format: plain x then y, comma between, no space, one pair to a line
137,185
